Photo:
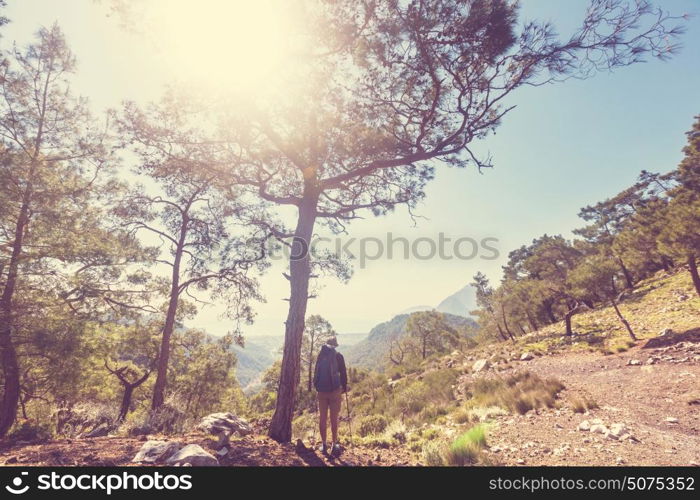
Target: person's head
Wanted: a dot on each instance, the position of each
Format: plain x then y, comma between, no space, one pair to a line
332,341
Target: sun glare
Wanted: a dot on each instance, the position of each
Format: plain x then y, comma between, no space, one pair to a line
240,45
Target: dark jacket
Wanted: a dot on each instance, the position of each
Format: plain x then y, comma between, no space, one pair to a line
340,360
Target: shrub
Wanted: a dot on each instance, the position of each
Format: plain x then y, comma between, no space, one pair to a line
461,416
582,404
466,449
432,454
376,441
396,431
30,431
519,392
372,424
429,434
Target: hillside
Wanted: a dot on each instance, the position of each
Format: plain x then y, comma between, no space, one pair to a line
372,352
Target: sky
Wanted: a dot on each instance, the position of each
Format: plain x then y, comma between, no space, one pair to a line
564,146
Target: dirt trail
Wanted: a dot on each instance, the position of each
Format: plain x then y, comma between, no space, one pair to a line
659,403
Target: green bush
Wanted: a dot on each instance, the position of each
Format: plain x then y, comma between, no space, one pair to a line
466,449
372,424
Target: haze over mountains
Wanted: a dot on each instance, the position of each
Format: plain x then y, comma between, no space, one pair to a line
362,349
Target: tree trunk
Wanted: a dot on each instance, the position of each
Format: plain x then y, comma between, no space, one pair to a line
693,267
505,323
164,353
567,319
8,356
622,319
628,275
500,331
311,363
533,323
550,313
126,402
299,275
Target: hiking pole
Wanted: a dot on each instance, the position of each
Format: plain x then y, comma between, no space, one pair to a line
347,405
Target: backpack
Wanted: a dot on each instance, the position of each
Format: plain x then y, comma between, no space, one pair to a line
327,378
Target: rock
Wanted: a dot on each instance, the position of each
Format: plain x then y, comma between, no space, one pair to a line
11,460
652,361
665,332
634,362
480,365
225,423
156,451
584,426
526,356
671,420
618,430
99,431
194,455
520,461
619,460
140,430
222,452
599,429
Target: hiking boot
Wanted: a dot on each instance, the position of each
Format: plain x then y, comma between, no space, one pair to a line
335,450
323,449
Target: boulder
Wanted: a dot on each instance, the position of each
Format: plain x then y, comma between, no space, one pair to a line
99,431
672,420
481,365
152,452
584,426
140,430
618,430
599,429
194,455
526,356
634,362
225,423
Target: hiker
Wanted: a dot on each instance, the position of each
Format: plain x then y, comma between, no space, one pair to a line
331,381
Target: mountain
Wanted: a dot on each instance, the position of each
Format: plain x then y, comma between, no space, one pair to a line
460,302
416,309
372,352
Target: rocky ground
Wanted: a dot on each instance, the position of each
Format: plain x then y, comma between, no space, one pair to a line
648,414
251,450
